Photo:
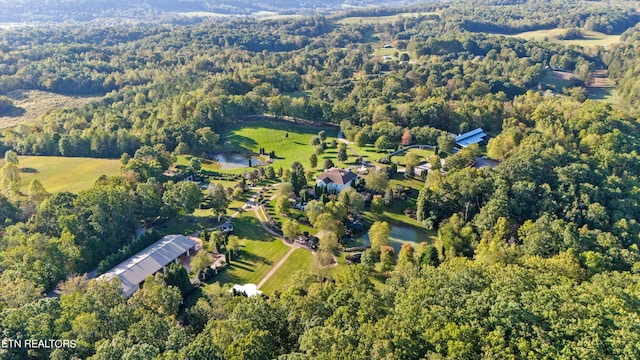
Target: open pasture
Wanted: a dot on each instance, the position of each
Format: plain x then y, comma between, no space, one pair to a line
64,173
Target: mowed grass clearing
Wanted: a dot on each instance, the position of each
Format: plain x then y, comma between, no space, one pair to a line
259,252
383,19
299,260
423,155
589,39
290,141
64,173
558,80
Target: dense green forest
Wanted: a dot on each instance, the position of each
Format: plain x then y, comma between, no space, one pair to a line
536,258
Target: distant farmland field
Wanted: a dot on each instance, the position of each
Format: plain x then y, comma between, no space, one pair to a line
31,104
590,38
381,19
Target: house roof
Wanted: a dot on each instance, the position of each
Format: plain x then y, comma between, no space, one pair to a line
471,137
149,261
337,176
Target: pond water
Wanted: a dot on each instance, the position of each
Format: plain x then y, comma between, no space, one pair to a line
398,237
235,160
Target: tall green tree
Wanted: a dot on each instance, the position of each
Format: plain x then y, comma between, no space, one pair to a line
379,235
377,181
290,228
298,177
176,275
282,205
218,197
148,198
37,192
446,143
313,160
182,197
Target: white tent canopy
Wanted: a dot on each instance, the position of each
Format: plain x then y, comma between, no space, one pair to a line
248,289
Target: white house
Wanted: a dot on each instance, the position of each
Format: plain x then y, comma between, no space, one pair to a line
336,179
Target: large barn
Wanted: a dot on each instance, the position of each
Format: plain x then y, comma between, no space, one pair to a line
476,136
149,261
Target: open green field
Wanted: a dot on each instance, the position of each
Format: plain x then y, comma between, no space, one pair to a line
369,153
64,173
602,88
423,154
382,19
609,95
558,80
300,260
31,104
590,38
259,252
272,136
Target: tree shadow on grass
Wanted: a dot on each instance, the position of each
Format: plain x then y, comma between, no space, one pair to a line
247,258
14,111
234,265
225,276
241,143
249,228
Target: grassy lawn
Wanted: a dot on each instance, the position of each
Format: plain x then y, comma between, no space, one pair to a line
300,260
604,94
272,136
64,173
558,80
259,252
369,153
423,154
187,225
380,51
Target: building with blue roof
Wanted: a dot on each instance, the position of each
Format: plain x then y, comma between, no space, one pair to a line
476,136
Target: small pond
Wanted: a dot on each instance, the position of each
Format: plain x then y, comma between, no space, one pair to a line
228,161
398,237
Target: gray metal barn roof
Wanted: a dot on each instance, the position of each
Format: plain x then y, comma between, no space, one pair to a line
472,137
149,261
